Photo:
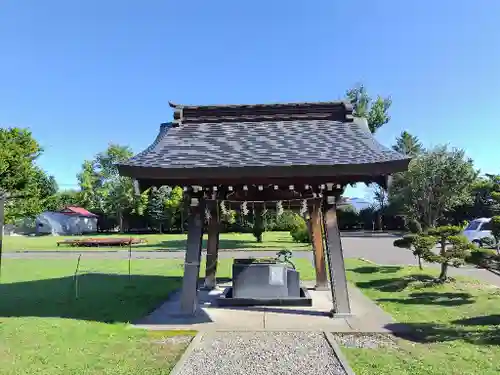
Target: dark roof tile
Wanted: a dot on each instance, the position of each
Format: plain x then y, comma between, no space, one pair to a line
265,143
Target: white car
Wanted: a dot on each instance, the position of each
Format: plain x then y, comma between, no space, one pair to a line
478,229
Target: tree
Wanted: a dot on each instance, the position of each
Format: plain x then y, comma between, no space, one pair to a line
47,190
408,144
482,202
66,198
258,228
156,207
104,190
436,182
495,231
453,254
174,206
91,187
420,245
495,220
376,112
19,176
380,204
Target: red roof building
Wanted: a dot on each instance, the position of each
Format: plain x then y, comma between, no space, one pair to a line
77,211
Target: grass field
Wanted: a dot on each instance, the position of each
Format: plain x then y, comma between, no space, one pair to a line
161,242
45,330
456,325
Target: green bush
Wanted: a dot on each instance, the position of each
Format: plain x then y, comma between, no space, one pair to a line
488,242
406,242
495,228
414,226
482,257
299,231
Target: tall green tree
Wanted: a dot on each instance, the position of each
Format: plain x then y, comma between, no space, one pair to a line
482,202
173,207
375,111
66,198
19,175
380,204
104,190
46,187
156,207
92,191
408,144
436,181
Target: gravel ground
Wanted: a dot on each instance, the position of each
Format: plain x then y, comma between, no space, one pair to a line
174,340
363,340
266,353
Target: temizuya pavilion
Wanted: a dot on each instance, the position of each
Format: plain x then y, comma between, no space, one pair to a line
264,153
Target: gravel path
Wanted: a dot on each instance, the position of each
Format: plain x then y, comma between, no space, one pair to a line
364,340
263,353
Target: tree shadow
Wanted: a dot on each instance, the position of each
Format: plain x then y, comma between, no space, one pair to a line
396,284
167,245
96,297
486,320
433,298
426,333
376,269
224,244
369,234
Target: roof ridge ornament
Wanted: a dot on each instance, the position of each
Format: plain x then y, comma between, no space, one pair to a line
333,110
362,122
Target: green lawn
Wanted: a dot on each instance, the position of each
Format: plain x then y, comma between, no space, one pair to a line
456,325
164,242
44,330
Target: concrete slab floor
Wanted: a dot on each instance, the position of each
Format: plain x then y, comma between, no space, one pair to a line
366,315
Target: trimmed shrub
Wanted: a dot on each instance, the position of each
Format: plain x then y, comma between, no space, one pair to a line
414,226
300,232
488,242
482,257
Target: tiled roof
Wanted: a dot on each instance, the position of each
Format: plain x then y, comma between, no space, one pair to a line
78,211
303,134
268,143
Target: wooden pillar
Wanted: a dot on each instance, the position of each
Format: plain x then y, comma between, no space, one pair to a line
212,247
338,280
317,245
188,303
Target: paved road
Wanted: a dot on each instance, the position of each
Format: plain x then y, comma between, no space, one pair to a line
353,247
377,249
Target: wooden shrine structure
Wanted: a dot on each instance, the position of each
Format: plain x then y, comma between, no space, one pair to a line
301,153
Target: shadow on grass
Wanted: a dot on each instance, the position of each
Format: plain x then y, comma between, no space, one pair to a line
433,298
396,284
486,320
375,269
369,234
433,333
101,297
168,245
224,244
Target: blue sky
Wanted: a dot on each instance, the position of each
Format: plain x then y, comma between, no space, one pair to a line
81,74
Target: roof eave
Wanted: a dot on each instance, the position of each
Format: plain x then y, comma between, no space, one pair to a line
349,173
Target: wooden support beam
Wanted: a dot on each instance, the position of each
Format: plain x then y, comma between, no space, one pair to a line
212,247
316,234
189,302
338,281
